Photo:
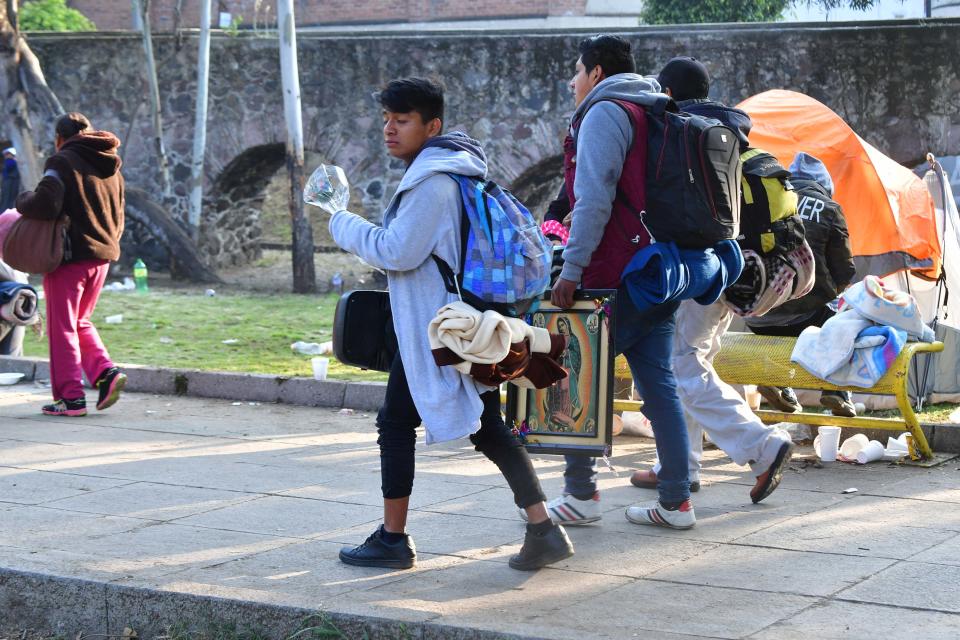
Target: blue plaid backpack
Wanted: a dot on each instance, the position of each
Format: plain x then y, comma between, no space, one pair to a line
505,257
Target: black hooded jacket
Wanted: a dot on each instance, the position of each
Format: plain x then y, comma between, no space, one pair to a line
825,230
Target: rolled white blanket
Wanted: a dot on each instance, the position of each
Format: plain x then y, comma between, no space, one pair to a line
482,337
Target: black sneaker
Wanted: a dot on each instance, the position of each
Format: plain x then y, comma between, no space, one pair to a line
67,408
539,550
376,552
110,383
840,403
768,481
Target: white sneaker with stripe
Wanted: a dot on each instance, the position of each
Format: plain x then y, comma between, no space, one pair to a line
568,510
653,513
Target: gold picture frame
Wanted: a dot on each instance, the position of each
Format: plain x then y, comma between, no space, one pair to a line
574,415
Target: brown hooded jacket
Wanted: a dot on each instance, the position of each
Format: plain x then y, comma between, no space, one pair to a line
83,181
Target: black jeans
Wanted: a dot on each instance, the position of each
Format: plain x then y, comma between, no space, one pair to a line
397,422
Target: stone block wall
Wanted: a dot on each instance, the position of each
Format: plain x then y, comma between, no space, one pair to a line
896,84
117,15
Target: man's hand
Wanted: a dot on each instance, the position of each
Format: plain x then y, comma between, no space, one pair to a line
562,294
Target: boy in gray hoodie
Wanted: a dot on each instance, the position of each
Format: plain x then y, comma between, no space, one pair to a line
423,219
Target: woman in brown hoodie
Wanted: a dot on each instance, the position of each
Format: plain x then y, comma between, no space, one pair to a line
81,181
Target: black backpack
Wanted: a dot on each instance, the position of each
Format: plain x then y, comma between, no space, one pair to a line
693,178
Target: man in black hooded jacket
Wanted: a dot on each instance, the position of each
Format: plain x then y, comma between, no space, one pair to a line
825,230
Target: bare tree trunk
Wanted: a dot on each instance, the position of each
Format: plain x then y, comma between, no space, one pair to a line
200,126
22,87
142,7
185,261
177,18
304,275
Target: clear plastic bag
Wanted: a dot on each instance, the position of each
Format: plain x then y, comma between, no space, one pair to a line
328,189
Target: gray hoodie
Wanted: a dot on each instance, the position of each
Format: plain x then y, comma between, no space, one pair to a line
423,218
603,141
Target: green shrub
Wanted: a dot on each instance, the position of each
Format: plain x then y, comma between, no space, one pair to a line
52,15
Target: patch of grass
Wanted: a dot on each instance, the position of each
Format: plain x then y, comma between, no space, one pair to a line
186,329
932,413
317,626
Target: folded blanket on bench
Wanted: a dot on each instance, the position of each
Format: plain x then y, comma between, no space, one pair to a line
857,346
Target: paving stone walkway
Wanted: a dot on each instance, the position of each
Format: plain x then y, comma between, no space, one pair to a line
253,502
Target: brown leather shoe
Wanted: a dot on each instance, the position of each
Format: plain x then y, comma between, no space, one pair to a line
648,480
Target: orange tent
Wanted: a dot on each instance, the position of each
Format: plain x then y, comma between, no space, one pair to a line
888,209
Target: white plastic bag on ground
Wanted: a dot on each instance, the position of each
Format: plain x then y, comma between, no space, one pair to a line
636,424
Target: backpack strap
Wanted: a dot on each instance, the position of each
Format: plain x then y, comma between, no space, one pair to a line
663,104
453,282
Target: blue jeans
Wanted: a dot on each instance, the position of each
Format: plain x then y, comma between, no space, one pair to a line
645,338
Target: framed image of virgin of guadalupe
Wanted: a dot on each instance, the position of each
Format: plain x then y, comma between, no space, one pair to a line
575,414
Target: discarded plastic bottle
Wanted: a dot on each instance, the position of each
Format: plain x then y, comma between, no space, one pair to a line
140,276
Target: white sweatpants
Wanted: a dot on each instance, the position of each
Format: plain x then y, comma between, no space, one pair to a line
711,404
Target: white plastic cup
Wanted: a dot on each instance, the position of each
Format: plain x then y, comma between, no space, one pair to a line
870,453
853,445
320,366
829,438
896,445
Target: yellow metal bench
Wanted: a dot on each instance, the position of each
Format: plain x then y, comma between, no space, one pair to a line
745,358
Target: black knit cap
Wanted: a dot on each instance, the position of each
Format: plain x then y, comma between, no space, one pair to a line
686,78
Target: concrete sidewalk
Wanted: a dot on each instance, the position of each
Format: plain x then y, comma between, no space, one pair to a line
166,510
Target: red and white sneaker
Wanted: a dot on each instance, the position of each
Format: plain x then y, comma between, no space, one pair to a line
654,513
568,510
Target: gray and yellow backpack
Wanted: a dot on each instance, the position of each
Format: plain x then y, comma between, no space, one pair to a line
769,223
778,262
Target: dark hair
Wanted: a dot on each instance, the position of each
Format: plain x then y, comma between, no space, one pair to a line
413,94
686,77
612,53
71,124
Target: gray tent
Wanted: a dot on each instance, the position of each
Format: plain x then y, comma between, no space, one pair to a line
937,377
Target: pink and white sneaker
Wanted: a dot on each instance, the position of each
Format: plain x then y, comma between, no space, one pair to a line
66,408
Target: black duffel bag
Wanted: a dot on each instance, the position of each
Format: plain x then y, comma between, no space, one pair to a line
363,333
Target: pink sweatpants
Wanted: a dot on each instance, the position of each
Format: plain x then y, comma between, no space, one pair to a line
71,294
